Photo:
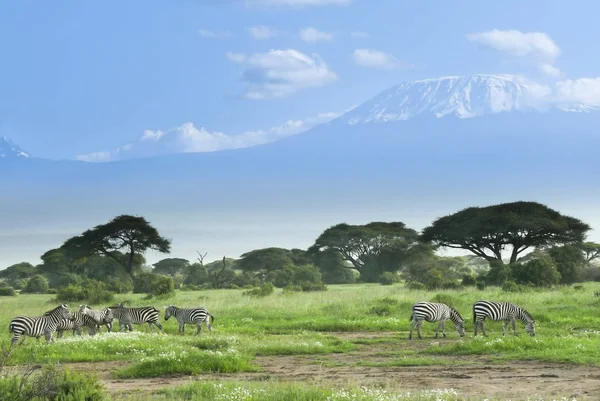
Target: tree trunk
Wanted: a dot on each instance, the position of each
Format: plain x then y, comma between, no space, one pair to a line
130,260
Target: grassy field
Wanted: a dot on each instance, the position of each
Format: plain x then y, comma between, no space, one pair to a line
324,345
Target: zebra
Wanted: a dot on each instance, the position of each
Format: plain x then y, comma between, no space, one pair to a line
139,315
38,325
435,312
190,316
101,317
506,311
76,321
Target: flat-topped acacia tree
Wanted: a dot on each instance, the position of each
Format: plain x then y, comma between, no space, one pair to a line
124,234
488,231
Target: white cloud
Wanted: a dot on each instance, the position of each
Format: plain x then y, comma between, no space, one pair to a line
262,32
236,57
298,3
372,58
205,33
579,91
95,157
279,73
360,35
537,47
189,138
310,34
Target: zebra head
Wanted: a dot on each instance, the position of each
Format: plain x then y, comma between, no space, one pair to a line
108,317
84,309
61,311
528,320
169,311
458,321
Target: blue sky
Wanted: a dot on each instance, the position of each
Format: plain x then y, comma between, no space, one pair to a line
83,79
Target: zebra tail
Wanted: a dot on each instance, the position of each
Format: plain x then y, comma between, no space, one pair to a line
212,317
411,317
474,319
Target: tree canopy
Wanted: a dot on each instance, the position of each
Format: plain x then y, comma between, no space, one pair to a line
488,231
371,248
124,234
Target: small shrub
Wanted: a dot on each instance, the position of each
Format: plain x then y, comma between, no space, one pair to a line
445,299
416,286
511,286
37,284
480,285
7,292
388,278
92,291
308,286
388,301
468,280
381,310
264,290
154,285
578,287
52,383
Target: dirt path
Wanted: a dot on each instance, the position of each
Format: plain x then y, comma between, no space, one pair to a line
472,376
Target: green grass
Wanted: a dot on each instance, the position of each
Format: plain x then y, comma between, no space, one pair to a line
304,323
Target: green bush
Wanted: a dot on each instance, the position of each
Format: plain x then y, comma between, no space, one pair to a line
468,280
539,272
7,292
445,299
264,290
37,284
53,384
154,285
92,291
416,286
511,286
388,278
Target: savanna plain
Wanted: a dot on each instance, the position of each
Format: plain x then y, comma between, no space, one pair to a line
347,343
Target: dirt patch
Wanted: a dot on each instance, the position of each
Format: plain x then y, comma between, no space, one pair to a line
468,375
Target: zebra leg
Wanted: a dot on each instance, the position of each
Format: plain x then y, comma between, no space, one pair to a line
48,336
438,329
59,333
483,328
444,327
514,326
182,328
209,325
412,325
506,322
157,324
475,331
419,323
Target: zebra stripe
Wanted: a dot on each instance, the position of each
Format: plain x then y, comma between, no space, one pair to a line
76,321
129,316
101,317
190,316
435,312
38,325
497,311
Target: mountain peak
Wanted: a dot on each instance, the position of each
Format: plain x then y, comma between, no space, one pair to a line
8,149
458,96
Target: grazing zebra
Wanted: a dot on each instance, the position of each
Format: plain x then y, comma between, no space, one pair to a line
76,321
140,315
101,317
190,316
506,311
435,312
38,326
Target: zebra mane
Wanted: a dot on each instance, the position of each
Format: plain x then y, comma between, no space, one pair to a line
457,313
48,313
527,314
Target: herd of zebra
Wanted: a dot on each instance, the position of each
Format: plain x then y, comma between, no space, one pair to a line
60,319
495,311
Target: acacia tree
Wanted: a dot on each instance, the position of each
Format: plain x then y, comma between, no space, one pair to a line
124,234
371,248
488,231
591,251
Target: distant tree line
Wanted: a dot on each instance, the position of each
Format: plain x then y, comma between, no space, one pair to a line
510,245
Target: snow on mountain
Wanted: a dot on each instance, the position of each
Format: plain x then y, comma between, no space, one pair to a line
9,149
459,96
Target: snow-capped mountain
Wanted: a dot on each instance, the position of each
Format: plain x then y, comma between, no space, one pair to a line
9,149
459,96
